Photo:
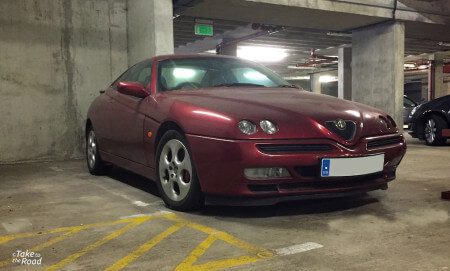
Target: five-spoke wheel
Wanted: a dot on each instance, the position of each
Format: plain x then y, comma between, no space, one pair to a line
433,130
175,170
176,173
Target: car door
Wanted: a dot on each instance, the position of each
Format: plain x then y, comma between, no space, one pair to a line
126,128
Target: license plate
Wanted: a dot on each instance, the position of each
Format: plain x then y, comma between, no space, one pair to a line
353,166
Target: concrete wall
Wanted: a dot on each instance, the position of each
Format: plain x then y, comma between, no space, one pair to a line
55,55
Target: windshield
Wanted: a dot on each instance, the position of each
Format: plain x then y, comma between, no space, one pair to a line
210,72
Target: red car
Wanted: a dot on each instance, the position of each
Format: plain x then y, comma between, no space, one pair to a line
226,130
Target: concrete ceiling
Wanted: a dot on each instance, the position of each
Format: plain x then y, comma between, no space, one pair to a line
307,27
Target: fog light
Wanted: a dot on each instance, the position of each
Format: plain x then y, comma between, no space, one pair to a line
266,173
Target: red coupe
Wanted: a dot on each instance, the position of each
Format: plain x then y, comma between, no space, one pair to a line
226,130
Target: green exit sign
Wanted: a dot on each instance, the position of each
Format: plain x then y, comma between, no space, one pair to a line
204,29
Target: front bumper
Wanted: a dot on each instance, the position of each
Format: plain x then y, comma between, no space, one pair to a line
220,165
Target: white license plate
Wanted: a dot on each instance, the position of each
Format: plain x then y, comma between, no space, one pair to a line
354,166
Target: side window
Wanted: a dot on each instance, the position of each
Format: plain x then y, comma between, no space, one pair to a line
140,72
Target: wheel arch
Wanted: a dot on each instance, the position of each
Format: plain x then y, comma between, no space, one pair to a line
164,127
87,126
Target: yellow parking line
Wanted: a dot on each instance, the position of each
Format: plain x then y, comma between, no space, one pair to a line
254,253
6,238
144,248
71,258
251,253
196,253
44,245
260,252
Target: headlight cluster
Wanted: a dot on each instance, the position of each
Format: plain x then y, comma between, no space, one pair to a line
247,127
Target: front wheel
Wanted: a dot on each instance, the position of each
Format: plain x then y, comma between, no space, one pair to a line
177,178
433,130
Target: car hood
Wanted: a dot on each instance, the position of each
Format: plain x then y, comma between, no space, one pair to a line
298,114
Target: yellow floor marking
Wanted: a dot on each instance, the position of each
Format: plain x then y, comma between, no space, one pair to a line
44,245
254,253
261,252
71,258
144,248
6,238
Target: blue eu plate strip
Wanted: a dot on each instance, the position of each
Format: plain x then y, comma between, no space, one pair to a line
325,167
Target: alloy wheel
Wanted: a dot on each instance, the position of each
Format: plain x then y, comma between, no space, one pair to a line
430,130
175,170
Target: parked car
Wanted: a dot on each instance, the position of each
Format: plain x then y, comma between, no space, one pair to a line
430,121
408,106
226,130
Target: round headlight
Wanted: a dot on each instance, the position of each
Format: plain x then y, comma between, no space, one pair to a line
268,127
247,127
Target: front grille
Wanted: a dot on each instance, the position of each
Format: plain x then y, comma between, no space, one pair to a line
348,133
293,148
383,142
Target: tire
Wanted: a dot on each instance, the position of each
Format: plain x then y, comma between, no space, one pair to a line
177,179
94,162
432,132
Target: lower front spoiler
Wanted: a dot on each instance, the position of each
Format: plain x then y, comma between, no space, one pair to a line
272,200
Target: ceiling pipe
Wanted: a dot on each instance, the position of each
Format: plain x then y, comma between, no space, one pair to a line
317,59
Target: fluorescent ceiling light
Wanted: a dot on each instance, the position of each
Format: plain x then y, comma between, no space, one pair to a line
410,65
183,73
255,75
441,43
327,78
261,54
305,77
339,34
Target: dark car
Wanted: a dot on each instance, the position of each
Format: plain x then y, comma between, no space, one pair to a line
430,121
408,106
221,129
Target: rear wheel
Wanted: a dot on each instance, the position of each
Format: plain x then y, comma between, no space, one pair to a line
433,130
95,163
177,178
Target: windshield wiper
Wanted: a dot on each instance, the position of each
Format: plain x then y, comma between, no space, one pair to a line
235,84
287,86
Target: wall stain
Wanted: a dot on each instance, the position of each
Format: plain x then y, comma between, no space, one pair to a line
72,134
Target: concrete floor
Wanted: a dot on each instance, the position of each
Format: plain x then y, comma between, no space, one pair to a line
80,222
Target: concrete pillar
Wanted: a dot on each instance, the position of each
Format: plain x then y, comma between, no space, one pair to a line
438,69
377,67
345,73
149,29
316,85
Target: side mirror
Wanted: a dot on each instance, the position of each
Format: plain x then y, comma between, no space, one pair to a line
132,88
